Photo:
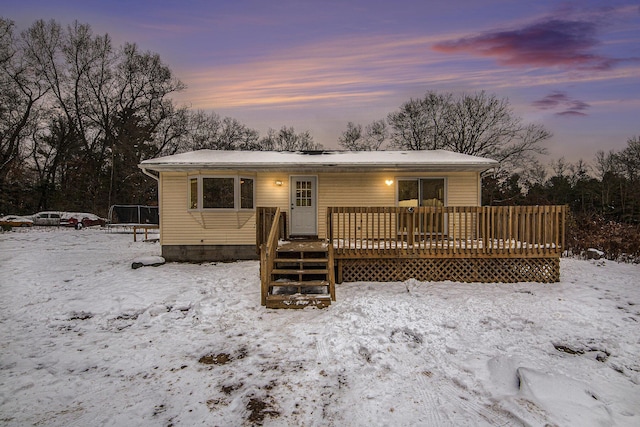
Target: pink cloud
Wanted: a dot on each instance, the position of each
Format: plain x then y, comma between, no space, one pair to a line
551,43
360,71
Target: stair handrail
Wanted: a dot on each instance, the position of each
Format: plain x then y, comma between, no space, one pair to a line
268,255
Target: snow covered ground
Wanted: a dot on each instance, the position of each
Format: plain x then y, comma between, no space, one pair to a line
87,340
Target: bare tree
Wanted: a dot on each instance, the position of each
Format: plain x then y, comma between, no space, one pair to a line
522,150
371,139
629,159
605,163
376,134
115,102
477,124
236,136
560,167
21,90
209,130
628,167
52,158
202,130
286,139
420,124
579,171
352,139
171,135
536,174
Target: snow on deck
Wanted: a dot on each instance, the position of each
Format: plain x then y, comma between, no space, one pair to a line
450,244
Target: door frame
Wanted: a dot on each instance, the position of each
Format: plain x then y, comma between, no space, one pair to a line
314,203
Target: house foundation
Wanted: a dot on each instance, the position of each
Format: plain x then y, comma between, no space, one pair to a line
207,253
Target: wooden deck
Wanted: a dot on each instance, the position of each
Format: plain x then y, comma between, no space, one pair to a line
466,244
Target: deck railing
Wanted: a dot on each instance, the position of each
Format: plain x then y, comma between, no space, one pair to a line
264,222
447,231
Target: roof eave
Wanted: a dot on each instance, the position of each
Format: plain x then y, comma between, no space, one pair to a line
270,167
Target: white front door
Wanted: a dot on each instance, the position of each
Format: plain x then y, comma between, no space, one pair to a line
304,206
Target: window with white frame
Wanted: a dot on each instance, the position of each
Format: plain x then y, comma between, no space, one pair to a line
221,192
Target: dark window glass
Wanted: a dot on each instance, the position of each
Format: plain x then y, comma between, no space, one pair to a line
432,192
246,193
193,193
407,193
218,193
303,193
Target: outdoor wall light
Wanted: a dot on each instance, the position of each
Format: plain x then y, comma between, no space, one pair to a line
278,182
388,181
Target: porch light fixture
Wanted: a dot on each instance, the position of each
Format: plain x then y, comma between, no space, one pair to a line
278,182
388,181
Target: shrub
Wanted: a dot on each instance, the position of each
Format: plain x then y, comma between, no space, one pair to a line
617,240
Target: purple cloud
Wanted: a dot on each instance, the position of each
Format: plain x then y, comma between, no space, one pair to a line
557,99
551,101
551,43
570,113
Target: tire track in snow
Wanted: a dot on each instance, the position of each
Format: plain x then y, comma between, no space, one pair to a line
322,350
429,404
461,397
444,403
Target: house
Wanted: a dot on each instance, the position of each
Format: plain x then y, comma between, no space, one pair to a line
208,198
385,211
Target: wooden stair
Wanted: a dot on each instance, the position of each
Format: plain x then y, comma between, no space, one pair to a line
301,275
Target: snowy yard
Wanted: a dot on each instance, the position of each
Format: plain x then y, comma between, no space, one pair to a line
87,340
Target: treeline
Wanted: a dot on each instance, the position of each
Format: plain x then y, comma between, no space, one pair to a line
77,115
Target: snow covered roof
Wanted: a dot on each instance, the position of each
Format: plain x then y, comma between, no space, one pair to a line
425,160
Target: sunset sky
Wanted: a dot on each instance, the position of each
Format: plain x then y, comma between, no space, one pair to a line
315,65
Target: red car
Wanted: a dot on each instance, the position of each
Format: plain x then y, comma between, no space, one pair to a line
81,219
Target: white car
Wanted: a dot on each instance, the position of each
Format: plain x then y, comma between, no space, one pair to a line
46,218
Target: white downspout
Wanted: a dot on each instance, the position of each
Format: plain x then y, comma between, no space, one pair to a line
149,174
